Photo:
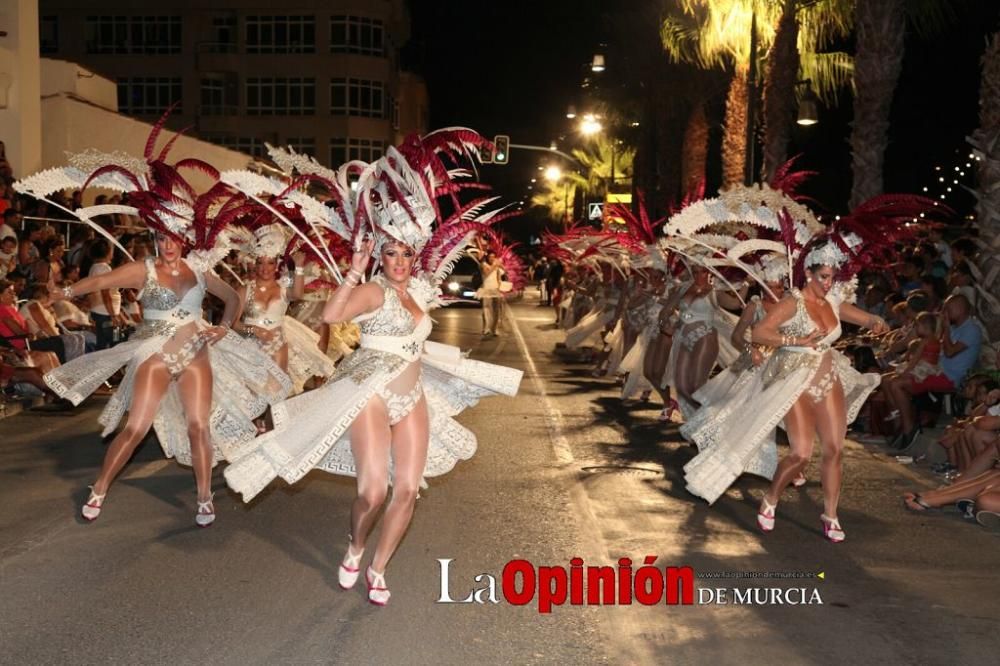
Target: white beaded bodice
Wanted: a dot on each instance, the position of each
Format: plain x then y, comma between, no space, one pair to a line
269,316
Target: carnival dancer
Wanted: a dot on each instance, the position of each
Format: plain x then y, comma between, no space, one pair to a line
386,414
200,386
266,298
697,345
806,382
720,461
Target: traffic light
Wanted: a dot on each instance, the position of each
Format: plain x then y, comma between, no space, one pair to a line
501,145
486,154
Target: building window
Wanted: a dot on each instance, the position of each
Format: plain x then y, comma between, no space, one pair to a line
218,95
392,104
48,34
148,95
356,34
281,96
357,97
223,35
302,145
344,150
244,144
281,34
141,35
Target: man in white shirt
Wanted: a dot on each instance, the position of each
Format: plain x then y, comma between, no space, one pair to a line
105,305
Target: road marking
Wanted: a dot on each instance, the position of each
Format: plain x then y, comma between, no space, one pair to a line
553,417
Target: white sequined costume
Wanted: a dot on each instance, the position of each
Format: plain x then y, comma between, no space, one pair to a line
741,436
395,362
699,318
305,360
244,380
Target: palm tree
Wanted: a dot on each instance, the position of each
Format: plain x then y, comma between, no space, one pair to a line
878,61
986,142
716,33
695,150
596,162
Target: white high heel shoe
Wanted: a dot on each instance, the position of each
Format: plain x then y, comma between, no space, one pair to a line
378,593
92,509
765,515
206,512
350,568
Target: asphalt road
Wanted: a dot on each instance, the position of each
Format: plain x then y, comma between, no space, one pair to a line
563,470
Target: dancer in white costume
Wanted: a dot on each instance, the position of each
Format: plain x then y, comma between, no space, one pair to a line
698,345
199,386
387,411
265,299
720,461
806,382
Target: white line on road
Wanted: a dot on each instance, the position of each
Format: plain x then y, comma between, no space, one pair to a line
553,417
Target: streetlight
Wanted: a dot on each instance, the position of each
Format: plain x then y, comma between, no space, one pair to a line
808,113
571,112
553,174
597,65
590,125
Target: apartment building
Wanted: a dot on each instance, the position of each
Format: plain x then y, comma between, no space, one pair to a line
320,76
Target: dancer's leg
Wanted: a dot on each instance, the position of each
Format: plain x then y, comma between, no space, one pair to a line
370,440
195,389
151,382
800,425
410,439
831,426
694,366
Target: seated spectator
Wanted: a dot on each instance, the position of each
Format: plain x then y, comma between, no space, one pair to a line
935,289
14,333
962,281
909,271
922,357
42,324
977,497
8,255
27,249
967,437
936,237
874,302
83,236
49,267
960,345
10,224
962,249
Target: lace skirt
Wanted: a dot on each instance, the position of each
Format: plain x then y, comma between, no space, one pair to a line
312,430
737,435
244,382
589,328
634,363
305,360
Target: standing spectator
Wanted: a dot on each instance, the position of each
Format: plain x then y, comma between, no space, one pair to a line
492,271
105,305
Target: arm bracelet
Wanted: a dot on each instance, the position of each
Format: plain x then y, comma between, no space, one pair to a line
299,270
67,292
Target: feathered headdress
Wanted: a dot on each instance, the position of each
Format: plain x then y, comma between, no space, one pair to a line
867,236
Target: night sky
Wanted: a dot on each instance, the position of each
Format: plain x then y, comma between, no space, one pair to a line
512,67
